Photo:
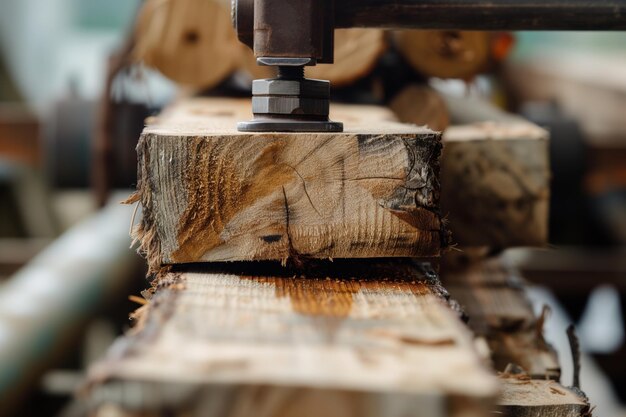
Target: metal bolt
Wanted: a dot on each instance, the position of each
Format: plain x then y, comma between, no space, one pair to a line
286,72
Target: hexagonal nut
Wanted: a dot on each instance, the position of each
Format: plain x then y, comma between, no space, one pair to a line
277,87
290,105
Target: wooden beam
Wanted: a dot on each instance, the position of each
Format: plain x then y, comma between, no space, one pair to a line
493,297
495,177
210,193
524,397
366,337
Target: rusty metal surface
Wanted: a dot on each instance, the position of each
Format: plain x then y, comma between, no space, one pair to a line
291,34
483,14
304,28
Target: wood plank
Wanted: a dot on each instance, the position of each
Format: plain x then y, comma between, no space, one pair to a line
495,178
355,337
524,397
493,297
210,193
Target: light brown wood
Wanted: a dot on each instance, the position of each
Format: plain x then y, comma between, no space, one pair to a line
524,397
445,53
421,105
210,193
356,53
493,297
346,338
190,41
495,178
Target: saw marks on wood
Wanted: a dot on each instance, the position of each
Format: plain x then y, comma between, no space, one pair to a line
373,328
496,183
210,193
524,397
493,297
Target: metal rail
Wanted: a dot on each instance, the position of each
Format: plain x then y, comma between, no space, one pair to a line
483,14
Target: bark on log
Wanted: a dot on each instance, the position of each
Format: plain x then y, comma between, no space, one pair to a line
345,338
210,193
495,178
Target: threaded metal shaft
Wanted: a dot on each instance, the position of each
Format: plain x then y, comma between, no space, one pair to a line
291,72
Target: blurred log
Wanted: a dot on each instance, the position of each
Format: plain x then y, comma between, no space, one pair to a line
356,53
422,106
451,53
193,43
524,397
345,338
494,299
190,41
210,193
247,64
495,178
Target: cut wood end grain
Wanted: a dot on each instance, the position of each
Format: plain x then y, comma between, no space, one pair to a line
496,131
496,183
210,193
524,397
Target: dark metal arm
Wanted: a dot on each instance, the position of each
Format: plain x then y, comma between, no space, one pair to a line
483,14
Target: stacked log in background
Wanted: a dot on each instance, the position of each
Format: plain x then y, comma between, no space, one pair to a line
193,43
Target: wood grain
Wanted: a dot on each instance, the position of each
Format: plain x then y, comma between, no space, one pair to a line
190,41
524,397
492,295
347,337
495,177
210,193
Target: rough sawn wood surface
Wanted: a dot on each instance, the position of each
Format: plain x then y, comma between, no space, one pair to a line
210,193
